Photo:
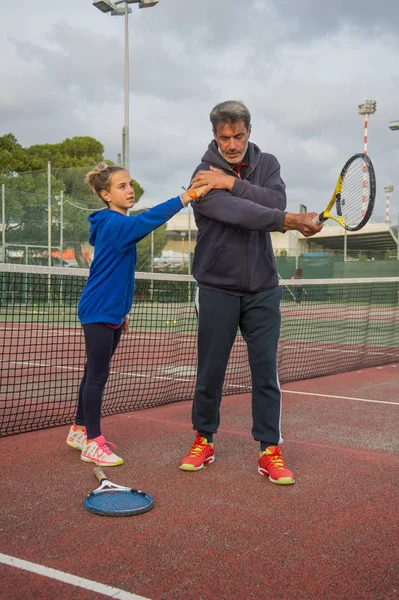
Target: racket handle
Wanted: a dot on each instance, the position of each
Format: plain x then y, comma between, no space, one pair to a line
99,473
318,220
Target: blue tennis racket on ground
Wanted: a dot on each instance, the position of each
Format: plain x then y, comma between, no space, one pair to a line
114,500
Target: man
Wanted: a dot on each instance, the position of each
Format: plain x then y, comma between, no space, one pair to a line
235,270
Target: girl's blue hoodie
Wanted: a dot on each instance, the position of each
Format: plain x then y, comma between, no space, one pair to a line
108,294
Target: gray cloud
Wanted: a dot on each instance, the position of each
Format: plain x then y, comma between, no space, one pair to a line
301,67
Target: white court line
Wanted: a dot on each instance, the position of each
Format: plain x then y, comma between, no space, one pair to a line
86,584
118,373
339,397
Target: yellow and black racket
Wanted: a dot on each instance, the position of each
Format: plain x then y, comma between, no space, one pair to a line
354,195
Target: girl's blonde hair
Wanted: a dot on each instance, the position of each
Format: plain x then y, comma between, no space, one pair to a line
100,178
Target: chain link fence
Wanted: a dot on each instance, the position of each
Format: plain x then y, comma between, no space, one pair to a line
44,222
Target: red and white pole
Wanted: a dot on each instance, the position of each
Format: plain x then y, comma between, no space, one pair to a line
366,125
388,191
364,195
387,209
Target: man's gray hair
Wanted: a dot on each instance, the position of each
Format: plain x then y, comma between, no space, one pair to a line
230,111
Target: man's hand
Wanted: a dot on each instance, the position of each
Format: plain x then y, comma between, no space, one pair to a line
214,179
125,325
302,222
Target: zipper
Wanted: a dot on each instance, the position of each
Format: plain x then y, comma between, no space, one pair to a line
245,260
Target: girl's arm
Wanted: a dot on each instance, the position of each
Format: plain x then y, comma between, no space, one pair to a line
130,230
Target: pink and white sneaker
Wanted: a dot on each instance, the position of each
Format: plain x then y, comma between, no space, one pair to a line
76,437
97,451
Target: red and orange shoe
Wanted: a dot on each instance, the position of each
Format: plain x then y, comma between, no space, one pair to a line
201,454
271,463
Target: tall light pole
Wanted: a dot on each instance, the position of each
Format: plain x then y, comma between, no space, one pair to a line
388,189
109,6
394,126
366,109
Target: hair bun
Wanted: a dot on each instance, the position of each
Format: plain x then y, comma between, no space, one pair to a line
101,167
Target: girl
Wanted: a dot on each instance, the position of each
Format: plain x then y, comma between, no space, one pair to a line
108,294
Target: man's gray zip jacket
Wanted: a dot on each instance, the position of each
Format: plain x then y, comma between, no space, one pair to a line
234,253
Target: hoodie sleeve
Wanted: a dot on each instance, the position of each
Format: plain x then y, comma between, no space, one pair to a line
128,231
241,213
272,191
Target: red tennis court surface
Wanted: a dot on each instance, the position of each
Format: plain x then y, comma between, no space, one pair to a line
225,532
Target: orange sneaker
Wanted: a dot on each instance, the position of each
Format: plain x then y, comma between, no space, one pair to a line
271,463
201,454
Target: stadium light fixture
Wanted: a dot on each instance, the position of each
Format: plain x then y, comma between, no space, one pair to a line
148,3
120,11
394,125
104,5
368,108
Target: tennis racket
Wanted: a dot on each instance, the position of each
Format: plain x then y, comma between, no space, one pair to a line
115,500
354,195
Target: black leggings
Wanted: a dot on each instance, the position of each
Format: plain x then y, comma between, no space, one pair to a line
101,343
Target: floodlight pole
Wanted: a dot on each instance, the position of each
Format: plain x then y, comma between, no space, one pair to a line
366,109
394,126
388,189
107,6
125,134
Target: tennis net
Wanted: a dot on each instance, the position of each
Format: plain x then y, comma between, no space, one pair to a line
328,326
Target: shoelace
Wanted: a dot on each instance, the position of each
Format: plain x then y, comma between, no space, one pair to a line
196,448
276,459
104,448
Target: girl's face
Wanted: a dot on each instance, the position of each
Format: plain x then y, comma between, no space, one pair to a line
121,194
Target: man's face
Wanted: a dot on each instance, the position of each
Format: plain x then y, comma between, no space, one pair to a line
232,140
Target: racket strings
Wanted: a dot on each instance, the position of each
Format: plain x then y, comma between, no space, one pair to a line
117,500
355,195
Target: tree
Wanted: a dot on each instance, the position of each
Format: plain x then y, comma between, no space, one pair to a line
81,151
24,171
13,157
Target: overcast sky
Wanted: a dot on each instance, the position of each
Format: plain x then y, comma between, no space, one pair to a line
301,67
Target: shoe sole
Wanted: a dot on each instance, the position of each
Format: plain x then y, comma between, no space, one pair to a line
101,463
188,467
281,481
